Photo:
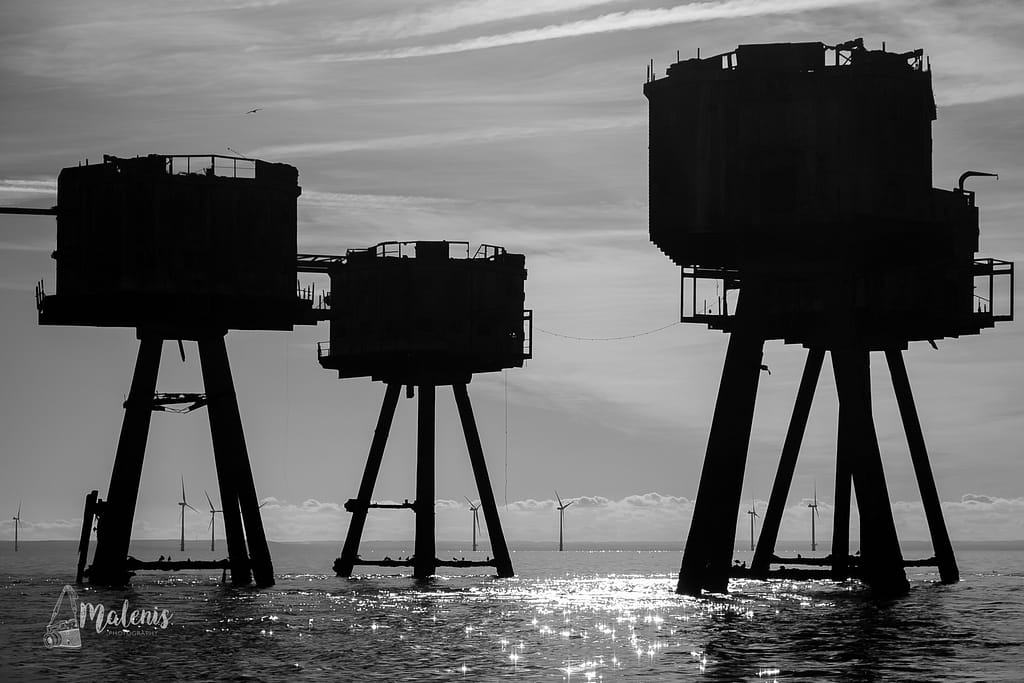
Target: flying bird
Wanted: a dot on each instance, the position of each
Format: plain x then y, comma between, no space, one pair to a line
253,111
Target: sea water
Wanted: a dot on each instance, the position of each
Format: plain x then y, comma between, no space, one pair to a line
606,615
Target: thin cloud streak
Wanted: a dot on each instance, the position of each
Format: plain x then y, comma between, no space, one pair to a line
26,187
336,200
457,137
452,17
607,23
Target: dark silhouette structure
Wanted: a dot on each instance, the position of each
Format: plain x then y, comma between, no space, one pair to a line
180,248
800,175
423,315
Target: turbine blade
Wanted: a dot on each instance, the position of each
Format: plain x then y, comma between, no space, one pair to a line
210,525
183,489
19,509
559,499
208,500
190,508
570,503
469,501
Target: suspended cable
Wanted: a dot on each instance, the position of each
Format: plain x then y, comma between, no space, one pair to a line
628,336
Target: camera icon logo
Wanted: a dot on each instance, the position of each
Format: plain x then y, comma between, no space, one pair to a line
64,633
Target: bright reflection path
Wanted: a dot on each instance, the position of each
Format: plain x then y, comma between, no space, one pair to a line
574,616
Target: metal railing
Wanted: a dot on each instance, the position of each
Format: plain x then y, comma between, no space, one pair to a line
489,251
319,301
998,304
699,302
316,263
407,249
843,55
210,165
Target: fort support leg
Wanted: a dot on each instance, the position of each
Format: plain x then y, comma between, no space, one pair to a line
83,542
425,557
841,514
114,532
881,558
233,468
223,445
709,545
502,560
787,464
948,571
350,552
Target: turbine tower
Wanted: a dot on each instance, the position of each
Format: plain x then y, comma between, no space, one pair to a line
213,517
753,513
476,519
17,521
814,513
561,518
184,504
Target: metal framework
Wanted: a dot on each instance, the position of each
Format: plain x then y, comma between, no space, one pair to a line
248,554
385,327
796,196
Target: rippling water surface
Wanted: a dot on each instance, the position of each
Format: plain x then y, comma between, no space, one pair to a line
572,616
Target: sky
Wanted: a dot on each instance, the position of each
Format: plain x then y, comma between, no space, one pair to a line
521,124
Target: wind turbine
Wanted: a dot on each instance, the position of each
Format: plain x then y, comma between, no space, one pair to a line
184,504
753,513
17,521
814,513
213,517
561,518
476,519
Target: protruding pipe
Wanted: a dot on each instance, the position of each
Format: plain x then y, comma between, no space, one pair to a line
19,211
974,174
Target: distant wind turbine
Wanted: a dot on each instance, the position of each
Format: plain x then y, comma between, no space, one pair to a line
814,513
184,504
561,518
476,519
253,111
753,513
213,517
17,522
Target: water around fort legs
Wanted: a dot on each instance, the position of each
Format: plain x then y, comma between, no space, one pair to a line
577,615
